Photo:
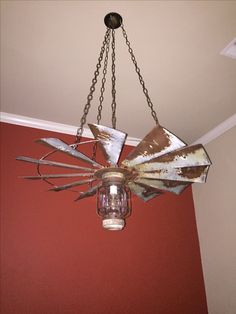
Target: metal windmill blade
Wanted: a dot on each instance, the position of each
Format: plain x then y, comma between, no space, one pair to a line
90,192
188,164
70,185
189,174
156,143
162,161
67,149
175,187
57,176
61,146
111,141
146,193
189,156
46,162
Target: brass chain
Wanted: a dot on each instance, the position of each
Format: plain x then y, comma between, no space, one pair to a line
113,81
137,69
92,88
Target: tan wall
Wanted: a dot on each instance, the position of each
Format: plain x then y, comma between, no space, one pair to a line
215,205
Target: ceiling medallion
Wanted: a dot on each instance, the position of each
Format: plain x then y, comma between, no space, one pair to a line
160,163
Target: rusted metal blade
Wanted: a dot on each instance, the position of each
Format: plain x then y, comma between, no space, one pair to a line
156,143
144,192
70,185
67,149
52,163
111,141
189,174
190,156
55,176
175,187
90,192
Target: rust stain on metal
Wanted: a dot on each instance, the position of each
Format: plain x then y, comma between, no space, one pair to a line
156,143
180,153
144,192
184,157
191,174
111,141
175,187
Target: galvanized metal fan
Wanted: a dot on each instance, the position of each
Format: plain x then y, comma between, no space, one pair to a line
161,162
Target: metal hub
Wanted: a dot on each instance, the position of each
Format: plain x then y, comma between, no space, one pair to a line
109,172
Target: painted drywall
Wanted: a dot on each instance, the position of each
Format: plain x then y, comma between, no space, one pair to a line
215,205
56,258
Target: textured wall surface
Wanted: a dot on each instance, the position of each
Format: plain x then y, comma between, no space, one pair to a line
56,258
216,218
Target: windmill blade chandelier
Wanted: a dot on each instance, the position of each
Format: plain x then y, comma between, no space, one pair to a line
160,163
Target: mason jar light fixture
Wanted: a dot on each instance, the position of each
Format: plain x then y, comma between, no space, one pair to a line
113,201
160,163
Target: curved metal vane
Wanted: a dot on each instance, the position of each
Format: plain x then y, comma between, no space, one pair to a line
189,156
67,149
163,185
146,193
156,143
111,141
46,162
90,192
190,174
56,176
71,185
162,161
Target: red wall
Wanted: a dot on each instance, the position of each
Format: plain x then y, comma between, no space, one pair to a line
56,258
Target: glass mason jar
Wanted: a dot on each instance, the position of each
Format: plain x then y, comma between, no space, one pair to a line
113,201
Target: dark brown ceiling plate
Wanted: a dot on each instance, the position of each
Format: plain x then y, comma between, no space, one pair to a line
113,20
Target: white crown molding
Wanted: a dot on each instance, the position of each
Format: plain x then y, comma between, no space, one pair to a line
52,126
217,131
132,141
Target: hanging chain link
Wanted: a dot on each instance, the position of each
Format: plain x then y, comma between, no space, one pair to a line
92,88
113,81
102,90
110,34
137,69
101,98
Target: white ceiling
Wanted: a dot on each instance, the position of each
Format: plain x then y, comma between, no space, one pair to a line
49,50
